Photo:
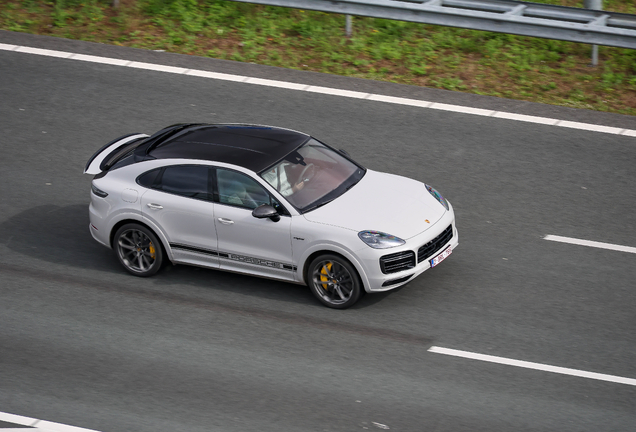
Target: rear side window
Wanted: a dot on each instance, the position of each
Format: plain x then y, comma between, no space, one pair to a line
147,180
187,180
192,181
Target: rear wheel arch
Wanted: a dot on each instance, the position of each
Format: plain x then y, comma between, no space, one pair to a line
138,249
121,223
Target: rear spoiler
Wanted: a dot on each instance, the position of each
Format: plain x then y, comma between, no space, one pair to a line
106,156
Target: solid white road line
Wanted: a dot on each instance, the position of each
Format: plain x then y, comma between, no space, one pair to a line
590,243
38,425
531,365
323,90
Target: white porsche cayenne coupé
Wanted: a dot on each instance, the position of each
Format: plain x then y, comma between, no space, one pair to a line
265,201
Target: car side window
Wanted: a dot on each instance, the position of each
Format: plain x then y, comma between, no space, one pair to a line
239,190
190,181
148,179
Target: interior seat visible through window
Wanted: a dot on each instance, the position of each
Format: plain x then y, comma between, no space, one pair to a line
240,190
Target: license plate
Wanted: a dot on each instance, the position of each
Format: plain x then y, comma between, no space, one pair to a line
441,257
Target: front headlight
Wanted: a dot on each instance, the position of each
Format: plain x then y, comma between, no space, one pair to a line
438,196
380,240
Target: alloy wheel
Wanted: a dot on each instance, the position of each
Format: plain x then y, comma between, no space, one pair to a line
333,282
136,251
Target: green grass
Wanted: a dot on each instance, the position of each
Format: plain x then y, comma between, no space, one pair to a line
539,70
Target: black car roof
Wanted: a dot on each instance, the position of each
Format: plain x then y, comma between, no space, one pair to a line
250,146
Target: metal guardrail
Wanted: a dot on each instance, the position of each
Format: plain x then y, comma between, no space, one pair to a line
502,16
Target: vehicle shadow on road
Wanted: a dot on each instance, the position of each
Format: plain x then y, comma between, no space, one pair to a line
60,235
57,235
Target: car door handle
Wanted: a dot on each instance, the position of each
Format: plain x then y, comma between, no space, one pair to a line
155,206
225,221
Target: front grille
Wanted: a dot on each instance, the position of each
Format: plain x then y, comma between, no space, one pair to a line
397,262
434,245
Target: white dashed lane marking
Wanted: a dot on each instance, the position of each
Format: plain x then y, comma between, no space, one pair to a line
531,365
590,243
323,90
28,424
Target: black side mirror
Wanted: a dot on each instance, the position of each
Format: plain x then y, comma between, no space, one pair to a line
266,211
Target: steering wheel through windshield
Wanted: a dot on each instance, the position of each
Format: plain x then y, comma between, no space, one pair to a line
307,174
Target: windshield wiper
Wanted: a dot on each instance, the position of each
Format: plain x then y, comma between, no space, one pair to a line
318,205
351,185
354,183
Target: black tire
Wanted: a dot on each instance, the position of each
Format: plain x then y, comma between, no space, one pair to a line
138,249
334,281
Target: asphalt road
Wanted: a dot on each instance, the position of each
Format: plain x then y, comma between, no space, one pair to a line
85,344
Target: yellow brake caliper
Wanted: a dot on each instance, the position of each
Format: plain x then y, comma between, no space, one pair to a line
152,250
323,274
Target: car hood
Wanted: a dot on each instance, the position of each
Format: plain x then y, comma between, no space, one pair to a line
389,203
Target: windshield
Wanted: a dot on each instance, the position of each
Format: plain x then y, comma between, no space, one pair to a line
313,175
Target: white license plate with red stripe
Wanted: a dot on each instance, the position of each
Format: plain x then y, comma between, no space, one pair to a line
441,257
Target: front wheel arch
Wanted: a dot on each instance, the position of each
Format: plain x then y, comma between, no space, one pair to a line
317,253
312,257
334,280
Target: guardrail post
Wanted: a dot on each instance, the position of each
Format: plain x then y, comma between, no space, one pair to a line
348,29
596,5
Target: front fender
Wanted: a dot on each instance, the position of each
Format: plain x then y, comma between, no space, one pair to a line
331,247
